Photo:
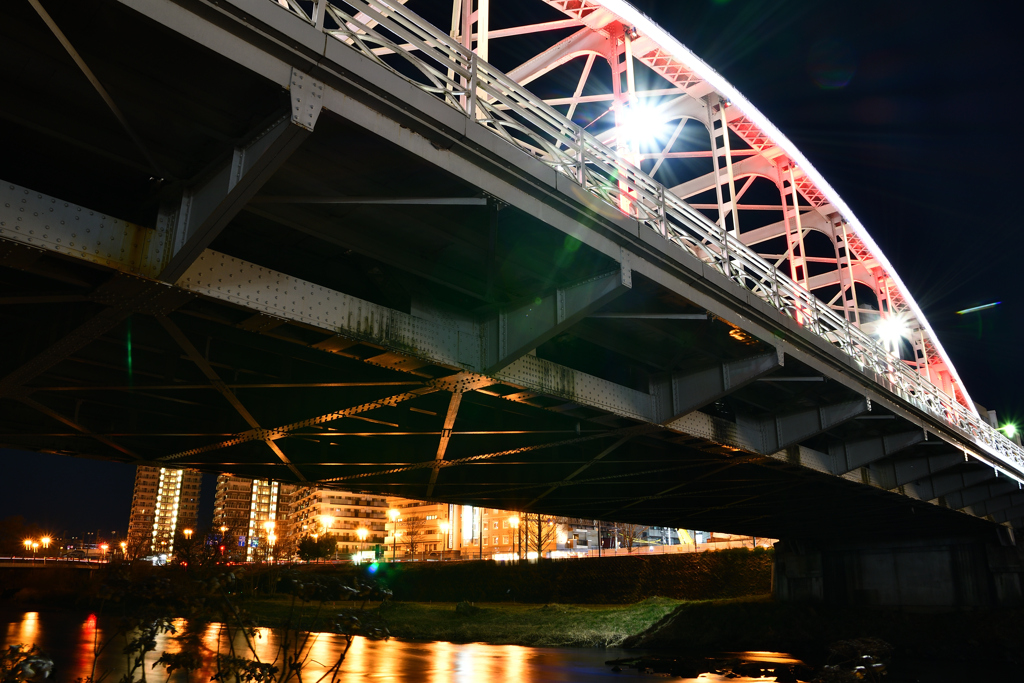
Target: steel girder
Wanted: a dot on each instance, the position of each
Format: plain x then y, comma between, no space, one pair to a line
454,341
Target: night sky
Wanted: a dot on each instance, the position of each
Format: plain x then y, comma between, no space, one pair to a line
904,108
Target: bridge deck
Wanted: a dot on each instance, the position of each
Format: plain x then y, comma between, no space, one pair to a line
390,298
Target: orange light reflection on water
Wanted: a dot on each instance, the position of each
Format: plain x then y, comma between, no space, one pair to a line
26,631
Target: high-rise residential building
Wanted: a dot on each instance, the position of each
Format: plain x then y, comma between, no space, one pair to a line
343,516
257,514
164,503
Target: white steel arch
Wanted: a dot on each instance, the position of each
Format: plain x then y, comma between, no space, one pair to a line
452,65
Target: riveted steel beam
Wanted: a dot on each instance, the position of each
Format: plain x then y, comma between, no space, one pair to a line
677,394
517,331
43,222
946,483
849,455
774,433
206,209
911,469
982,499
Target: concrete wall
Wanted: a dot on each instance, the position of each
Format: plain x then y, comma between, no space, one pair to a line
932,574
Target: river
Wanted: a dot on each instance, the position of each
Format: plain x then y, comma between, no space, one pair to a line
69,639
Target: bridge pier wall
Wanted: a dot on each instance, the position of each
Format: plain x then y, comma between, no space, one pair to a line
944,573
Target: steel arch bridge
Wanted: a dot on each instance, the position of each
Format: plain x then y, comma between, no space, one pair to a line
537,256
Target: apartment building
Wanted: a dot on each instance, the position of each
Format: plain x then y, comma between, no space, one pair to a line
164,502
257,517
343,516
420,530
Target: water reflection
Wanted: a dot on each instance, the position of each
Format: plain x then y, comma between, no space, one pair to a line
70,640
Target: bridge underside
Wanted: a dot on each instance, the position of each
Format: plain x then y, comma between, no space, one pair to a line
358,308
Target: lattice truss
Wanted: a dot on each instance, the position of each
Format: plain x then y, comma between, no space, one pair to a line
608,69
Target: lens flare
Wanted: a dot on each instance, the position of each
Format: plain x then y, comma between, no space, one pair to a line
975,309
892,328
640,124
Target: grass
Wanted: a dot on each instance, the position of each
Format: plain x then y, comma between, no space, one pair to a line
551,625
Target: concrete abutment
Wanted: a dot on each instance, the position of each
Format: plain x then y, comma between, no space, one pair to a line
932,574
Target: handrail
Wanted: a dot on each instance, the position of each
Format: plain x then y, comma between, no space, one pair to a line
455,75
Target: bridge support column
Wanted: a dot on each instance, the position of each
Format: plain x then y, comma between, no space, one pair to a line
932,574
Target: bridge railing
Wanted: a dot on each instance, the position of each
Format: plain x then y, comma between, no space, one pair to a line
392,35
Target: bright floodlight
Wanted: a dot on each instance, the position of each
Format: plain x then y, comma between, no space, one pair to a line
1009,429
640,124
891,329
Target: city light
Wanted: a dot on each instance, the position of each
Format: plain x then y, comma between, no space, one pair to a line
361,533
45,540
187,533
445,527
1009,429
393,514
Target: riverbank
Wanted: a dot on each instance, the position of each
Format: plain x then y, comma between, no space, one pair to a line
551,625
985,642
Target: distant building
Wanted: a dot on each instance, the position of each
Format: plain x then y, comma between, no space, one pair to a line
340,515
165,502
257,516
418,532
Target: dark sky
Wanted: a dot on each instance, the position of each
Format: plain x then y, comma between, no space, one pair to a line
904,106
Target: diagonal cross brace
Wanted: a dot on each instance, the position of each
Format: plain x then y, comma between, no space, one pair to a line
514,332
773,433
193,353
677,394
446,436
580,469
35,405
850,455
206,209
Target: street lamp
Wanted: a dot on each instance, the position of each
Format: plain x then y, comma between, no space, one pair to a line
361,533
104,547
513,522
445,526
124,550
271,538
393,514
187,533
28,545
45,540
35,547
